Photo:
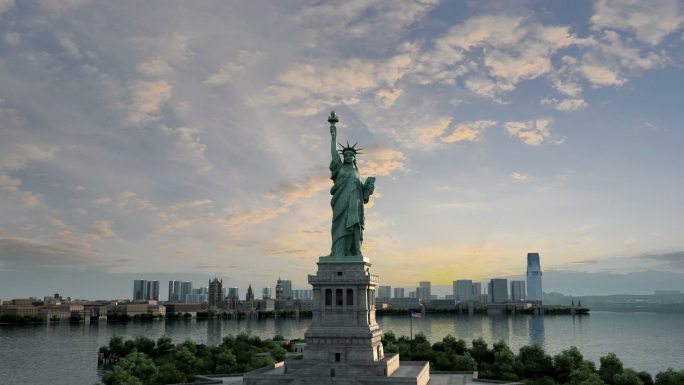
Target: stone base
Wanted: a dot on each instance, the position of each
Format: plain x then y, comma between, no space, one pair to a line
302,372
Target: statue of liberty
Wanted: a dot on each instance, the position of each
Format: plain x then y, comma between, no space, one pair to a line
348,197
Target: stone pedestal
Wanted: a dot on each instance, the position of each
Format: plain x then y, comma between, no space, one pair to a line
343,343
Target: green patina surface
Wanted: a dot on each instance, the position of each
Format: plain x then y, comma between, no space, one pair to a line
343,259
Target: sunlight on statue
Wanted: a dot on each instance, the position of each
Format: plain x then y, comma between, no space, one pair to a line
349,196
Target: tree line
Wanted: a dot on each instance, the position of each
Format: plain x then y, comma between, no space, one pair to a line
144,361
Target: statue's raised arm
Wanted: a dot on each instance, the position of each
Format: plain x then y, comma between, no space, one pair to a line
349,196
332,119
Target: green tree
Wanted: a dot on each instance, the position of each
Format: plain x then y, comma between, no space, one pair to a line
610,366
481,353
168,374
119,376
165,346
503,367
389,338
670,377
464,362
225,362
646,378
184,359
627,377
584,376
117,346
533,362
278,353
454,346
566,362
144,345
140,366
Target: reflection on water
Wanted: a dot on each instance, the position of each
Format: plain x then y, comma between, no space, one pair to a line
536,328
67,354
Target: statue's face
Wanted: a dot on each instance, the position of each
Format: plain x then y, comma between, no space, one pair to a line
348,157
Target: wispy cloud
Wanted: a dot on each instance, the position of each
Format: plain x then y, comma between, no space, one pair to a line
147,100
649,22
531,132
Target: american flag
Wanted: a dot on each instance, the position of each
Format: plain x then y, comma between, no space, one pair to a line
416,314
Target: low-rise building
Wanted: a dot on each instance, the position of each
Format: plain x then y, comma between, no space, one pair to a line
404,303
445,304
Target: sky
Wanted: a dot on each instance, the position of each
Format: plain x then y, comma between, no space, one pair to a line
187,140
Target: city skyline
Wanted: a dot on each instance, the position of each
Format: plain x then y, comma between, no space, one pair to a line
138,148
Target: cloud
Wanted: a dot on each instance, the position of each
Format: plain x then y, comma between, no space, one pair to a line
103,229
11,190
147,100
80,211
6,5
17,159
649,21
12,38
240,220
155,67
457,206
470,131
169,47
245,60
20,252
673,260
372,21
611,59
61,6
565,104
494,53
387,97
189,149
571,104
518,176
190,204
22,154
381,161
599,75
293,191
489,88
428,133
126,200
305,89
69,46
531,132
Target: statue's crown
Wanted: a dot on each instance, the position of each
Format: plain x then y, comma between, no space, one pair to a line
353,148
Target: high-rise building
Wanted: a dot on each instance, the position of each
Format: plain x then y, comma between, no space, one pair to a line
177,287
233,292
266,293
250,293
517,291
185,291
477,290
423,291
302,294
384,292
171,296
287,288
139,289
498,290
463,290
398,292
152,292
534,277
279,289
215,299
